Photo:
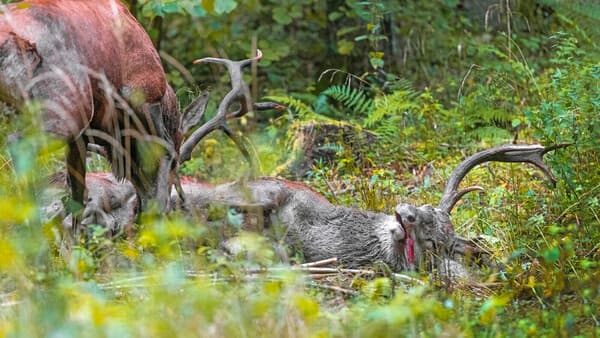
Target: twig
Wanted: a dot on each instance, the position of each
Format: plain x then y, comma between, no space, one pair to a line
408,278
333,270
322,275
334,288
328,261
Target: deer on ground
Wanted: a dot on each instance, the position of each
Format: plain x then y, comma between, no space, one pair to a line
321,230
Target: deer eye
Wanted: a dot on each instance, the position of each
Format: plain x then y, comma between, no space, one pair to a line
115,203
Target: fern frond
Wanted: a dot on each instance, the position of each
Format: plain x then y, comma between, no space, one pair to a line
300,109
351,98
338,148
390,105
401,84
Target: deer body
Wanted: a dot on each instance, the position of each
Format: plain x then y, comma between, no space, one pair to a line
75,57
313,225
356,237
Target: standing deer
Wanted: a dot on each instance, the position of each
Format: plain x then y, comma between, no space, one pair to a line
99,80
111,201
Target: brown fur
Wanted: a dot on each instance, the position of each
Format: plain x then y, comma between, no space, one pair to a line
296,186
55,52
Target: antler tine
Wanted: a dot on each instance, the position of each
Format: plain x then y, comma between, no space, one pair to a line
239,92
257,58
258,106
463,192
506,153
230,63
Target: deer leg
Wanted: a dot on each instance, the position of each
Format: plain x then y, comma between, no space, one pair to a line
160,192
163,187
76,177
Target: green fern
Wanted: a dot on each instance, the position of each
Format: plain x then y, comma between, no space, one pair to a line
301,110
391,105
352,99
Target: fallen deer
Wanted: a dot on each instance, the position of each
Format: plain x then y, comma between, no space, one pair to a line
112,203
358,238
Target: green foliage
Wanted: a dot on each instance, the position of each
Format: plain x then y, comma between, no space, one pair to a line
159,8
463,88
351,98
301,110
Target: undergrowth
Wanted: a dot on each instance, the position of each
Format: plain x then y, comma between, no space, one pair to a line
173,279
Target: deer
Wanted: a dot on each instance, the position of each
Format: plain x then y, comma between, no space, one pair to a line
100,83
112,202
358,238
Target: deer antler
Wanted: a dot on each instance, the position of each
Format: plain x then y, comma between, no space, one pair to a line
239,93
506,153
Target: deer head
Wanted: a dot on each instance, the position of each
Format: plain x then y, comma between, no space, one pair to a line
429,228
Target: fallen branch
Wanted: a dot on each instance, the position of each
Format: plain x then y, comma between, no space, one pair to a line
328,261
334,288
406,278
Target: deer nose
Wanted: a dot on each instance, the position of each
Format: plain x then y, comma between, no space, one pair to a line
92,215
398,234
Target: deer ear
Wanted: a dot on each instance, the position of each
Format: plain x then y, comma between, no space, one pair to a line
193,113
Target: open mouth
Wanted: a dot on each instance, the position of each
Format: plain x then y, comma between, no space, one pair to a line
409,243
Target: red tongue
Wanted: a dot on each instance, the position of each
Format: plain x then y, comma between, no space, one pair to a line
409,250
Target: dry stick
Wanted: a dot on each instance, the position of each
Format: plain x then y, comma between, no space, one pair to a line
320,270
318,276
328,261
333,270
408,278
334,288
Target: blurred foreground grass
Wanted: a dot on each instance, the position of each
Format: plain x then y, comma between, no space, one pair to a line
172,280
